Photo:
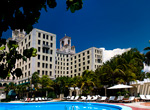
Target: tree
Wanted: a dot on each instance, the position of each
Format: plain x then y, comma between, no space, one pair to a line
122,68
147,56
35,79
46,82
22,14
10,56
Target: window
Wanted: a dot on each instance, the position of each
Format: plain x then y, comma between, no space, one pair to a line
46,43
29,65
29,37
83,68
75,66
39,49
46,58
87,67
38,71
78,74
47,37
39,42
79,69
88,57
39,57
83,54
43,36
79,64
38,64
21,43
42,72
45,50
83,58
43,42
29,44
51,38
28,73
51,51
45,72
39,34
26,67
51,44
46,65
25,74
50,73
43,57
50,59
88,61
50,66
83,63
74,57
79,60
43,65
79,55
88,52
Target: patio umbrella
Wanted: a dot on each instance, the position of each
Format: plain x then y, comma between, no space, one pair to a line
12,92
120,86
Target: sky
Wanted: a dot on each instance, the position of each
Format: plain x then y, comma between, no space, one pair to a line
108,24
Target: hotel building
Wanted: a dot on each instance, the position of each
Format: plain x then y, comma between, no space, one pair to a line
51,61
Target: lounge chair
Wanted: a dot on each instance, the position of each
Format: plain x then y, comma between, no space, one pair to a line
72,97
89,98
94,98
111,98
120,98
148,96
43,99
32,99
144,98
103,98
40,99
36,99
76,98
131,99
83,98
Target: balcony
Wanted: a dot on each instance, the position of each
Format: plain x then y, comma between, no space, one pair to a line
46,46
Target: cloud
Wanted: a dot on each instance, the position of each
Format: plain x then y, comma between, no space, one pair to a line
146,68
108,54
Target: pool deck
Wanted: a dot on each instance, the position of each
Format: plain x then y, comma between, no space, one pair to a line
134,105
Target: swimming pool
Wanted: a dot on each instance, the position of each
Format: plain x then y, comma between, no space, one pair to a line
59,106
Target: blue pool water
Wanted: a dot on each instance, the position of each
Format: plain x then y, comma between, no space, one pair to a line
58,106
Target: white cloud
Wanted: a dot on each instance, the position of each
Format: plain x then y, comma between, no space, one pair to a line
146,68
108,54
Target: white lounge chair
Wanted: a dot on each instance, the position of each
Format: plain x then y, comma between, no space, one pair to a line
111,98
83,98
89,98
103,98
76,98
120,98
36,99
131,99
94,98
43,99
40,99
148,96
72,97
144,98
32,99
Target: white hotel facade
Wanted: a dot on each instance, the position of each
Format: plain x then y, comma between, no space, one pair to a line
51,61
